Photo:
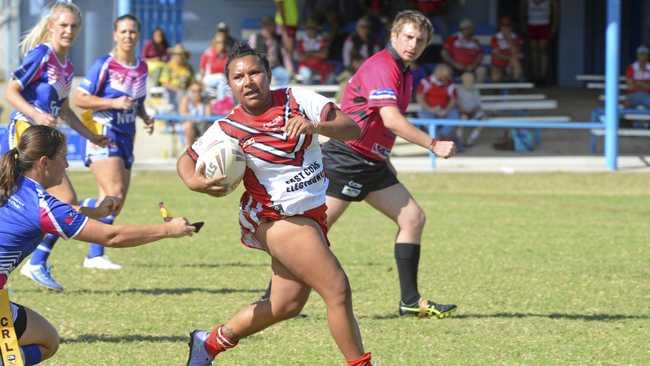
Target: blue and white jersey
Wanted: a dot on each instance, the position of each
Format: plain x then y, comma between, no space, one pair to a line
108,78
28,215
44,81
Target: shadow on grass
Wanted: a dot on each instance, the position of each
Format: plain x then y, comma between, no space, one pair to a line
555,316
131,338
159,291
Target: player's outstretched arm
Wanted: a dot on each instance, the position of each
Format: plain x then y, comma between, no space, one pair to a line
195,179
395,121
122,236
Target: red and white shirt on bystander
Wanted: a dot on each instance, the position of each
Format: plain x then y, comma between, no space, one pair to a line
505,46
463,50
639,73
437,93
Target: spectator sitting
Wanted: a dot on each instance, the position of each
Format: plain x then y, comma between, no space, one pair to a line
359,45
463,51
212,66
155,53
268,42
638,80
178,74
194,104
222,27
469,106
506,52
312,54
436,96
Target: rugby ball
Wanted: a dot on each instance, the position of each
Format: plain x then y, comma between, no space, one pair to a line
222,156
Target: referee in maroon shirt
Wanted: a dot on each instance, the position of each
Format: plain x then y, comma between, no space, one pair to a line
376,97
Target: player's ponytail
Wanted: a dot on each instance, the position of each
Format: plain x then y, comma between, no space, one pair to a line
35,142
39,33
8,174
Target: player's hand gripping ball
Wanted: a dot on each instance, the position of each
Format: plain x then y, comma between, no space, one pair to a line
222,157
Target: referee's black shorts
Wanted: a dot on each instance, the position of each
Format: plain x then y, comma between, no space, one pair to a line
351,176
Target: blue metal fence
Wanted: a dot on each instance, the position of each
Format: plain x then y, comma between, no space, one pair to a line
166,14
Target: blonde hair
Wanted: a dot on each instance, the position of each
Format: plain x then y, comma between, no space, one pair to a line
39,33
412,17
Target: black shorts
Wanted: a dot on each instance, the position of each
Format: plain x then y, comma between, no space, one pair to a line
351,176
19,318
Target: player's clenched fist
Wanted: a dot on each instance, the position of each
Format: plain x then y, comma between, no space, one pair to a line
444,149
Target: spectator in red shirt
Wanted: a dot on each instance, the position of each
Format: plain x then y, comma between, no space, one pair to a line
312,50
437,96
155,54
638,80
506,52
156,47
212,65
463,51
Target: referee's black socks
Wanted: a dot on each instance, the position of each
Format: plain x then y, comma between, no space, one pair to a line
407,257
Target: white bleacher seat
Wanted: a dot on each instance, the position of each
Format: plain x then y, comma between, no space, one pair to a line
602,86
520,105
321,88
621,97
637,117
511,97
505,106
595,78
504,85
626,132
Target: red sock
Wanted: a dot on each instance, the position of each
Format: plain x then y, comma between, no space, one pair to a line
218,342
364,360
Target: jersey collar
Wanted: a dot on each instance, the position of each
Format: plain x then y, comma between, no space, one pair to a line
395,56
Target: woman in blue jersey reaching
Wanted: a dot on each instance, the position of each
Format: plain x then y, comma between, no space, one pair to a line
39,92
27,211
114,91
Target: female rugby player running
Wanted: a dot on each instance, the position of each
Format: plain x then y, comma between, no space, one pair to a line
27,211
283,206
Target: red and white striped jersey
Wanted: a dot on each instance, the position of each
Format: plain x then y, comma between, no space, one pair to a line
283,174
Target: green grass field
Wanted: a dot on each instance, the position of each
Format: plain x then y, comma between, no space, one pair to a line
547,269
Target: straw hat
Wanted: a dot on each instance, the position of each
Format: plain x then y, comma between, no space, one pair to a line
178,49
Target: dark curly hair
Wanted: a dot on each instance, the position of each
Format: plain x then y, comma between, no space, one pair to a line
241,49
